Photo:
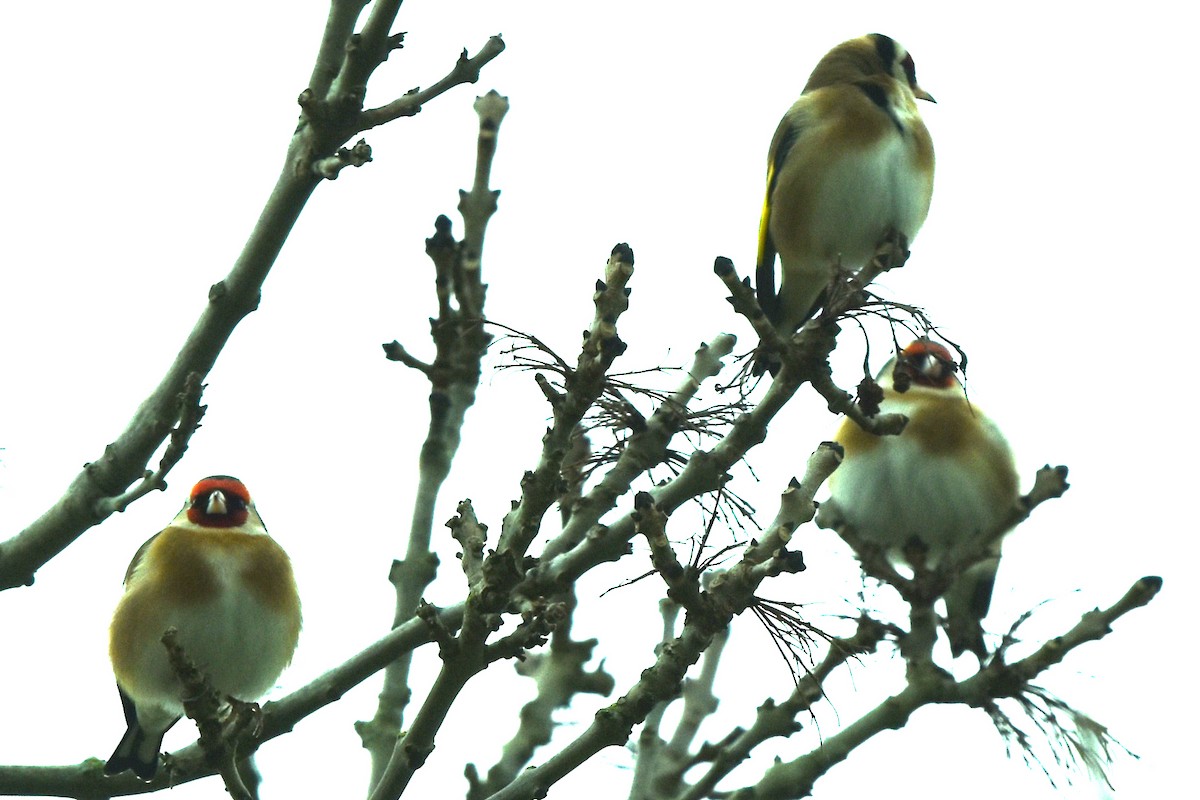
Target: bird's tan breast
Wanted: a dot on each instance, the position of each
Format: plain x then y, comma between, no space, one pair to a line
231,595
192,568
941,426
849,175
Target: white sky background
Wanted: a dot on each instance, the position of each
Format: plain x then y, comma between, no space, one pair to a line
142,139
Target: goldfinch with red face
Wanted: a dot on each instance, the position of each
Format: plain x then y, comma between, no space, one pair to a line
946,480
216,576
850,163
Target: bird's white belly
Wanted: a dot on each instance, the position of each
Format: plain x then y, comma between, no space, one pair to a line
864,195
240,644
897,491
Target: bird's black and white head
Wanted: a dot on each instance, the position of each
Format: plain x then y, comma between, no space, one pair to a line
873,55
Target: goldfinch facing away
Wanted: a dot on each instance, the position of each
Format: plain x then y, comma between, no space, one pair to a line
216,576
946,480
850,163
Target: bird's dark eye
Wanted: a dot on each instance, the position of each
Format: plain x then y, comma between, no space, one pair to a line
233,503
220,506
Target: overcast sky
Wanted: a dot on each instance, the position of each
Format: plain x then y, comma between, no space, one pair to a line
141,140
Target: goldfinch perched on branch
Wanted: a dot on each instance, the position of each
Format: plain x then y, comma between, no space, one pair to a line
217,577
946,480
851,162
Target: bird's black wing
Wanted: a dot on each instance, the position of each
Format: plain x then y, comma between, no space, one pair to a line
768,296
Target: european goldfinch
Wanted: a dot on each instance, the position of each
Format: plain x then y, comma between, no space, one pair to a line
946,480
216,576
851,162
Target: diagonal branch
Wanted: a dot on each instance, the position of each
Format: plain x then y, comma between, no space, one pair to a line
190,413
278,717
464,657
88,500
646,448
124,461
779,719
706,470
465,70
729,594
796,778
333,113
584,385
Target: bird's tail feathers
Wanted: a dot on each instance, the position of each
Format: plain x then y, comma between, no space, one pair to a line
967,603
136,751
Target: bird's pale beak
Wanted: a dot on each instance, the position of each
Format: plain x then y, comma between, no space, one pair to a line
216,503
921,94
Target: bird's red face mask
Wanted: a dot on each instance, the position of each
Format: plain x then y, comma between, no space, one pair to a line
219,502
924,363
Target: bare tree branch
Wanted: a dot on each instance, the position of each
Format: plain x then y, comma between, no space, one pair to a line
661,764
472,535
465,70
560,676
794,779
90,497
464,657
730,594
646,448
331,166
517,600
650,744
779,720
87,780
460,343
190,413
367,50
706,470
124,461
339,26
601,347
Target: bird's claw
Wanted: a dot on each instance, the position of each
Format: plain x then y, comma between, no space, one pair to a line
244,716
